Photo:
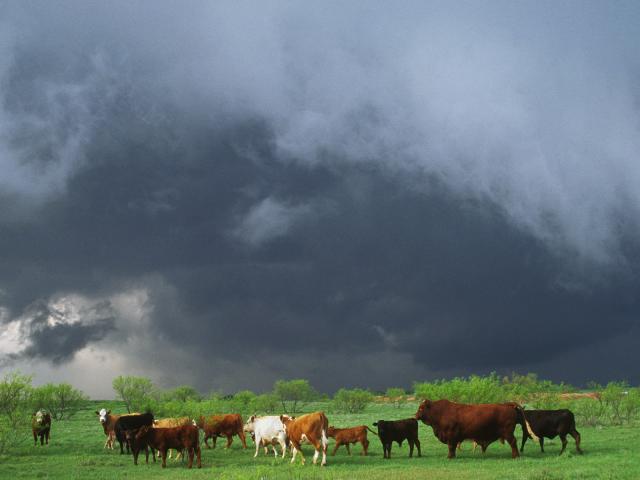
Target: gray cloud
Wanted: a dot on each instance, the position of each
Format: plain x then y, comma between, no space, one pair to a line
452,188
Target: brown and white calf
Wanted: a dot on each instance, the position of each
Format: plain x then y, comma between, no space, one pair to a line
108,422
311,428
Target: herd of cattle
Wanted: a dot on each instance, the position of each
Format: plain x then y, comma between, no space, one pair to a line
452,423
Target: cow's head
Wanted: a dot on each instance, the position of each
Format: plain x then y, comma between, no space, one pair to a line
39,417
331,431
102,415
286,419
140,434
424,411
250,425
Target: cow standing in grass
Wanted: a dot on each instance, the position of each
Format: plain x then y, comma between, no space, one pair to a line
131,422
390,431
173,422
215,426
311,428
348,436
551,423
41,427
266,431
453,423
185,437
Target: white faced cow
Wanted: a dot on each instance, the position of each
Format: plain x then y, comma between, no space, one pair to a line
267,431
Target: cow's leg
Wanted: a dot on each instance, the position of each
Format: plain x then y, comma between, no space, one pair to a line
35,438
418,446
576,436
190,451
283,445
205,441
365,446
229,441
198,456
135,456
214,440
410,442
164,457
335,449
563,439
525,436
243,439
389,445
159,454
452,449
348,447
484,446
542,444
258,441
513,443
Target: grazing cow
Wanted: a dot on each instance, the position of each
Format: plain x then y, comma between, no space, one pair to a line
390,431
453,423
215,426
131,422
185,437
549,423
172,422
311,428
41,426
267,431
347,436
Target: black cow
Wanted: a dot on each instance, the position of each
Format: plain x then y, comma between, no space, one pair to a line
390,431
130,422
549,423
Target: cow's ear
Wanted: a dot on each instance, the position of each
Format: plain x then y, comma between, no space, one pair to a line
97,413
108,412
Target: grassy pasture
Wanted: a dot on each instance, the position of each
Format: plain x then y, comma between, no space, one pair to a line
76,451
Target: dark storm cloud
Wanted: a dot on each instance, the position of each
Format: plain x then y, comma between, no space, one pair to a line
440,188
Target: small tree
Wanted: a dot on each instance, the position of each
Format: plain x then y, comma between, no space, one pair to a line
396,395
352,401
613,396
243,400
61,401
293,393
183,393
135,392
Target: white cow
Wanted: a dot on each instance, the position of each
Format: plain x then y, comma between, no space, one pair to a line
267,431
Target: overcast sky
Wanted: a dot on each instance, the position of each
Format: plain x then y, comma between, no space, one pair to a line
224,194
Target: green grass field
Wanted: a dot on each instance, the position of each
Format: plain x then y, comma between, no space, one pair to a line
76,451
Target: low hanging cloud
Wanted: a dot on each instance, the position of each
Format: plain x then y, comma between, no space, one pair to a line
440,190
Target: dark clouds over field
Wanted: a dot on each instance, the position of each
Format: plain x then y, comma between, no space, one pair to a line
355,194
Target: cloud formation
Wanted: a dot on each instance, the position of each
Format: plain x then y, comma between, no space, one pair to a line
453,189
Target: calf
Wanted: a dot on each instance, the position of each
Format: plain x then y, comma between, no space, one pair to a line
108,421
311,428
549,424
453,423
390,431
267,431
41,426
347,436
215,426
130,436
131,422
172,422
185,437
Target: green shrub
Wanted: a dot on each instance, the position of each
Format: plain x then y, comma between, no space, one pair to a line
61,400
137,393
613,396
351,401
265,403
396,395
15,411
630,407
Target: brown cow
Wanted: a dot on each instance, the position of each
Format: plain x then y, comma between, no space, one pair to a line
172,422
311,428
215,426
347,436
162,439
108,421
453,423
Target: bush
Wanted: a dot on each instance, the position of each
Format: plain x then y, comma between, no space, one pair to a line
396,395
136,393
352,401
62,401
265,403
589,411
613,396
15,393
631,404
293,394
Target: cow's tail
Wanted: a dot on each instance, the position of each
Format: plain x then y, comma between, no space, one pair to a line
372,431
525,424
